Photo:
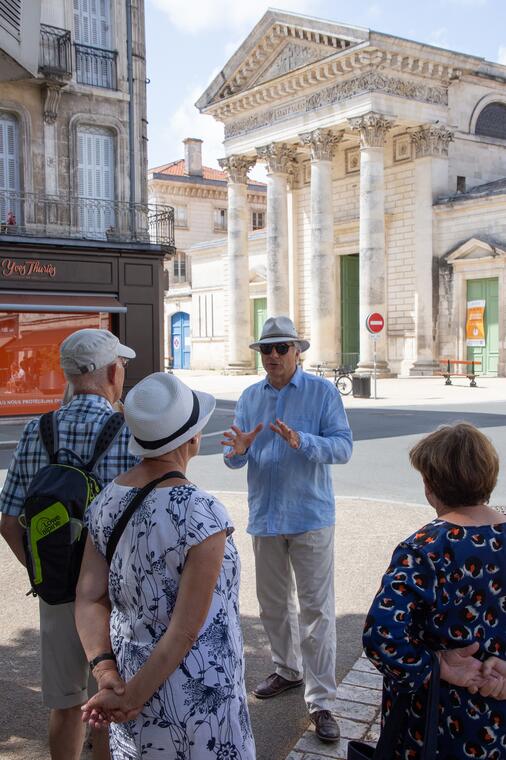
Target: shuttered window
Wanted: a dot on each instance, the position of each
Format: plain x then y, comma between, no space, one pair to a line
10,16
92,23
97,213
9,170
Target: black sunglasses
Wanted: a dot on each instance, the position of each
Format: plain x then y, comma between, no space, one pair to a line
281,348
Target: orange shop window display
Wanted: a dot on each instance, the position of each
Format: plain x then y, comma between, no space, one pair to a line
31,381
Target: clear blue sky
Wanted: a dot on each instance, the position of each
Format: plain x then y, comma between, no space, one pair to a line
189,41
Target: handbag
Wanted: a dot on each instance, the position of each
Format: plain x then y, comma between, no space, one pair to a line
394,724
136,501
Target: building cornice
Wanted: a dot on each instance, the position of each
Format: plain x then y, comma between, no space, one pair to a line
366,82
196,191
361,58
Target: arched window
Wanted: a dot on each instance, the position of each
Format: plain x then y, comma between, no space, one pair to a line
492,121
9,169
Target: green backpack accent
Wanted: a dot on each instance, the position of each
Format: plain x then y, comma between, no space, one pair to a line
53,512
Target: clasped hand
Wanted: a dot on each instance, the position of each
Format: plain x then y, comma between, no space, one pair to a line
460,668
240,441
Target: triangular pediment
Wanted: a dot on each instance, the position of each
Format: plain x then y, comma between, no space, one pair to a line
279,44
474,248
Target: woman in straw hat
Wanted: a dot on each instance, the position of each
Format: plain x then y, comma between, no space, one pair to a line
165,611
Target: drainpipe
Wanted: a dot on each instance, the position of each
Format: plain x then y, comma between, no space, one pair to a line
131,130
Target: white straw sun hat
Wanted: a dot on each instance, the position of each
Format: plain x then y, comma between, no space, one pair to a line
163,413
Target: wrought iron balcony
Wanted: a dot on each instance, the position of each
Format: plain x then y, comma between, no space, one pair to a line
37,215
55,52
96,67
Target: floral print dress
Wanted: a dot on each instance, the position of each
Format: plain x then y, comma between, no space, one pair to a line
200,712
445,588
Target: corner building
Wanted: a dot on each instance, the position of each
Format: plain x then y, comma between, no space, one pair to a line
386,162
80,246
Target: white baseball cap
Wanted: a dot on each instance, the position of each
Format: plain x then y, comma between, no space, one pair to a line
162,413
87,350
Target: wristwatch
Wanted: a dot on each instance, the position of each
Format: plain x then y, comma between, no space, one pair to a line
100,658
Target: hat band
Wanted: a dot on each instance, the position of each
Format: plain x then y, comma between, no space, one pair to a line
152,445
284,336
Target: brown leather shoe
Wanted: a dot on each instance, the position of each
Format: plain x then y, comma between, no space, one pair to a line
274,685
326,726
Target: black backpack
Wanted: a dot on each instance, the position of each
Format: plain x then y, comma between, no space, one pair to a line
53,511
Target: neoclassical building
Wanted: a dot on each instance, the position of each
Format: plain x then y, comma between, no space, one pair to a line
386,161
194,301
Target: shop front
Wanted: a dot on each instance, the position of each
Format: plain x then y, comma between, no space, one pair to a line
49,291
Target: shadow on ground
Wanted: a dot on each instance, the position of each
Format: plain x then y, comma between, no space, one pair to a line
23,720
278,723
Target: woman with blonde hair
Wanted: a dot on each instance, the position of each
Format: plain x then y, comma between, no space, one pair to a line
444,596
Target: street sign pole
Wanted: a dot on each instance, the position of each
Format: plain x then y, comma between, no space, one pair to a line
375,324
374,363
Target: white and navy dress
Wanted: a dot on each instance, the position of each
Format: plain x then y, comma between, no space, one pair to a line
200,712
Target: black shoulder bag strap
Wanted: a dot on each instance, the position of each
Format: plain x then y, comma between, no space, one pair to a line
395,722
48,434
105,438
137,500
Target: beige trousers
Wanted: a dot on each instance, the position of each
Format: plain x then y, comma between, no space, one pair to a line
300,567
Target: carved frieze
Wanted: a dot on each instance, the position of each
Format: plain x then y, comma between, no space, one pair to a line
372,128
237,167
322,143
431,140
279,157
371,81
291,57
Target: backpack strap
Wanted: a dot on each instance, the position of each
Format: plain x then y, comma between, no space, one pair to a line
136,501
105,438
48,434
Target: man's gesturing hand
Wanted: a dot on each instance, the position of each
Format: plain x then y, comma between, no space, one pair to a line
239,441
290,436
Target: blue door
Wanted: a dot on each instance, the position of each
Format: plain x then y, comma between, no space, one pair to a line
180,340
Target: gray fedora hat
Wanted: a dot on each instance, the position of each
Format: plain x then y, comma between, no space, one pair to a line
279,330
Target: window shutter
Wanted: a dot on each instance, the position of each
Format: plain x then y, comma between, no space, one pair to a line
9,166
92,23
96,179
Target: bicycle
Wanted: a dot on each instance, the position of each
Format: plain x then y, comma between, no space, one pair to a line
342,379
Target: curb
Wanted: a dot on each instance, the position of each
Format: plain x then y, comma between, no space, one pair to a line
10,445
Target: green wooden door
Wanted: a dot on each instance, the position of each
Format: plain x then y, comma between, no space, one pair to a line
350,339
488,290
259,317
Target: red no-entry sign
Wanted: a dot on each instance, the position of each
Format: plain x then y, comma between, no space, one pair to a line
375,322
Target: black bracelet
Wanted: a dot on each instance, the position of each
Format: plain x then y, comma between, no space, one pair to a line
100,658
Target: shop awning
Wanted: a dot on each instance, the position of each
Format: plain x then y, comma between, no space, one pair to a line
60,303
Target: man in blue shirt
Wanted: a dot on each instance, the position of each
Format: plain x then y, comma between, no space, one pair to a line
288,429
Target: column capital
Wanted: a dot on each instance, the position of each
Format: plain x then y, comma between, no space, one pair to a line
279,157
372,127
431,140
237,167
322,143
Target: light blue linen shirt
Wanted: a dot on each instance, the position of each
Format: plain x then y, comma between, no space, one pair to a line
290,490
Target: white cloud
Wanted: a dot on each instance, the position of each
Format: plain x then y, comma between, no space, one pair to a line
194,16
468,3
501,55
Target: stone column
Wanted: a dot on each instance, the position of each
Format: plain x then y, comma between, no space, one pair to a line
52,95
372,128
431,179
280,159
324,305
237,286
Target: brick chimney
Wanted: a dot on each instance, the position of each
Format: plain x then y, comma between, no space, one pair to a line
193,156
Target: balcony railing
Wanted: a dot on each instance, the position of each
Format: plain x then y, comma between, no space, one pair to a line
96,67
34,215
55,52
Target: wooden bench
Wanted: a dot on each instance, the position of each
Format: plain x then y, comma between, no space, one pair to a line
448,373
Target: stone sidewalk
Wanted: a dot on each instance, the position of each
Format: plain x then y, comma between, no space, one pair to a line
356,708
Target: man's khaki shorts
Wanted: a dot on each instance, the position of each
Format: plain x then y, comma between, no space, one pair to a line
65,673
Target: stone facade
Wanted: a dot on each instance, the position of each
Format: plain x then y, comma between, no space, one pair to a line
209,205
385,151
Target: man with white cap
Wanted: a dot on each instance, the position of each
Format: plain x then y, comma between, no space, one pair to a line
288,429
93,362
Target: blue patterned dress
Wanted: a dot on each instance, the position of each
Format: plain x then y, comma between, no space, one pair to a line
200,712
445,588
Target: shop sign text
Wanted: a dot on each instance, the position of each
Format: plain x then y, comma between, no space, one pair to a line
11,268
